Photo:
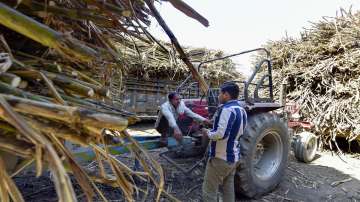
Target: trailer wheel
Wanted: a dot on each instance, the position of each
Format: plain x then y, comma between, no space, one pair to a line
305,146
264,149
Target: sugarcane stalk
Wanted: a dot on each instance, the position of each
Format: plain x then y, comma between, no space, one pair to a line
85,77
78,102
98,121
132,119
73,101
111,7
10,144
103,91
52,89
76,85
23,84
6,88
63,81
6,127
61,132
75,14
38,63
41,33
45,110
91,120
101,108
10,79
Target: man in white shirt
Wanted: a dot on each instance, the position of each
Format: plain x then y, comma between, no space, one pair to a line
224,152
168,118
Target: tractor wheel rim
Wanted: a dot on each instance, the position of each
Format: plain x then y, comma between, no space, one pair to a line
268,155
311,147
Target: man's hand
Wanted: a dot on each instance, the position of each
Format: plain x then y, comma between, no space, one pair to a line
178,134
204,132
207,122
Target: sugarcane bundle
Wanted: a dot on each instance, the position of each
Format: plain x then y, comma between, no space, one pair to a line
154,63
218,71
57,65
323,75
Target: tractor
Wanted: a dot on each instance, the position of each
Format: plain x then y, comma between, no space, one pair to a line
266,142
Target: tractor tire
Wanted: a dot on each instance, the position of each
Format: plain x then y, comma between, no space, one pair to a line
305,147
264,149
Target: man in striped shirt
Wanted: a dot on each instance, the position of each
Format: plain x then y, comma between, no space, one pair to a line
224,153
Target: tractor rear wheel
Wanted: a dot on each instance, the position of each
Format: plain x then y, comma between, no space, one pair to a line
264,149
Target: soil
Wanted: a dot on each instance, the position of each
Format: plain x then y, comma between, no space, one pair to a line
328,178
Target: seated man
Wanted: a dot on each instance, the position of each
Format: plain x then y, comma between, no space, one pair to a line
167,121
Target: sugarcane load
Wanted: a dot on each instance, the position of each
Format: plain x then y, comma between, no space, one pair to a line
62,63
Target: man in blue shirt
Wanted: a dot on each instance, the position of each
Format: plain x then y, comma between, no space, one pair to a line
224,153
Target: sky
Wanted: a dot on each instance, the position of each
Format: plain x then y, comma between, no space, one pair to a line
237,25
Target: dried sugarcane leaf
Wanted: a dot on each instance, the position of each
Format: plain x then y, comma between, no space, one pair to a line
44,35
8,186
53,90
81,177
62,182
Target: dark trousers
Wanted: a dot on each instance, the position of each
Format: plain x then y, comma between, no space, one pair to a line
165,130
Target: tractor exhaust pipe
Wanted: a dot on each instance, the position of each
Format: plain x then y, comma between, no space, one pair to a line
283,100
283,93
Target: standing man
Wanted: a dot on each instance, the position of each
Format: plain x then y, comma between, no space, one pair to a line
224,153
168,117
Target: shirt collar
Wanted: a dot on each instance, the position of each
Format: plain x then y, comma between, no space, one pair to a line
178,107
230,102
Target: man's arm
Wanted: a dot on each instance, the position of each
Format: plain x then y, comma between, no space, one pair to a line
169,116
193,115
224,125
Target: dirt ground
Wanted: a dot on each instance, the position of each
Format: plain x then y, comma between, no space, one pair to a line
328,178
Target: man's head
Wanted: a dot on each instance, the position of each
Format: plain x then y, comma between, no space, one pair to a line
228,91
174,99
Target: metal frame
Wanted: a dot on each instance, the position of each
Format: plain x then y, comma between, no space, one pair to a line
181,168
236,54
259,85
